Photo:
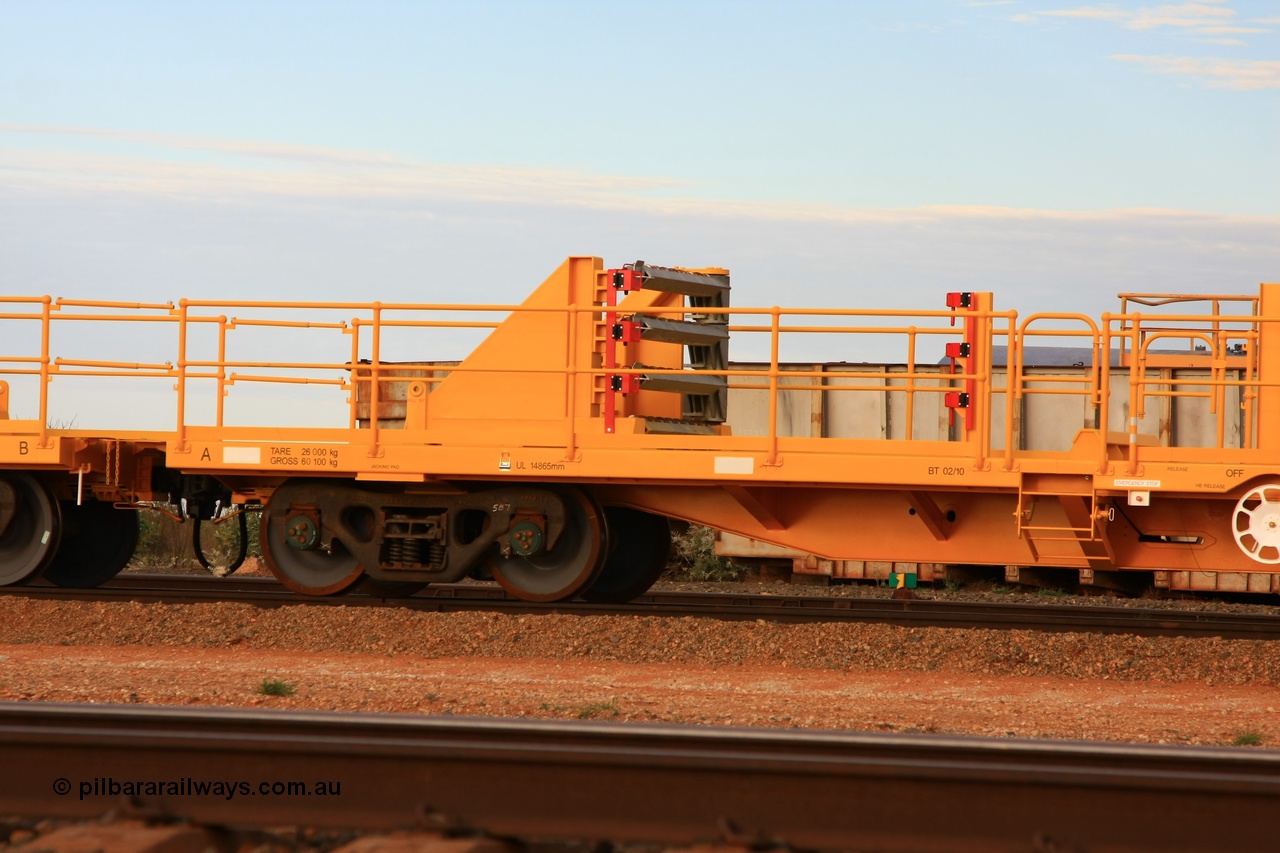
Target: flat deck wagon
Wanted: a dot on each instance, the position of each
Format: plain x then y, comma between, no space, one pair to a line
553,454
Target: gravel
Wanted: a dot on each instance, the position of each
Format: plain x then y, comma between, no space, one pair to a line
640,640
682,670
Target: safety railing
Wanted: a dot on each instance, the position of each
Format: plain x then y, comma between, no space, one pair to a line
917,339
896,333
1223,344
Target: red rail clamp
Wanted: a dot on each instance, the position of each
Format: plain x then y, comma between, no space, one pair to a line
628,384
959,299
627,332
626,280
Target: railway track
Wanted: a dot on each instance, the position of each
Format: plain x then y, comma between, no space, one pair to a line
675,785
267,592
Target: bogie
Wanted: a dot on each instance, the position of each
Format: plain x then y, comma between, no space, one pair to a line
319,537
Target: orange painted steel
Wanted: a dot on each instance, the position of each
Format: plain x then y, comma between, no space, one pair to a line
549,396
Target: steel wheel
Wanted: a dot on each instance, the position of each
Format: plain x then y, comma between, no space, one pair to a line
1256,524
639,545
310,570
565,570
29,540
98,541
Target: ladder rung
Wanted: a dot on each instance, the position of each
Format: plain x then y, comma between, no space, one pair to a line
1033,528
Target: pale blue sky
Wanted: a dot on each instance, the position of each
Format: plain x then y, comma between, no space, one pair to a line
1055,152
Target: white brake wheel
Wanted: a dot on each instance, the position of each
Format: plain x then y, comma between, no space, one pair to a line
1256,524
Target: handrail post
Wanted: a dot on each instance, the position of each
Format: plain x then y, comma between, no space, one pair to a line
911,383
1104,388
1248,391
1095,377
45,330
774,328
1012,397
571,384
375,378
1218,390
354,400
1137,388
181,387
222,366
982,339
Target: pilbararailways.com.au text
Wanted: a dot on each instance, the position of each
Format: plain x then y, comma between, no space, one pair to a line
108,786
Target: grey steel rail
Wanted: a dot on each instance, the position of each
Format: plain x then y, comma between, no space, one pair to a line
631,782
780,608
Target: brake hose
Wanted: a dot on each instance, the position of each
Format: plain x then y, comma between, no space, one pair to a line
243,552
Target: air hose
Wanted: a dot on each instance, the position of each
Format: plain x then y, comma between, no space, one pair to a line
242,553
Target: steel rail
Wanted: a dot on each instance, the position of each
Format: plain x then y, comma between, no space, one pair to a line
779,608
633,782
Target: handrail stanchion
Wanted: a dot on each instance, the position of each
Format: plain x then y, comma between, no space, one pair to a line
1137,388
182,446
354,399
571,377
1218,397
1248,392
1014,349
981,398
1104,389
774,328
1095,380
222,366
909,431
375,378
46,328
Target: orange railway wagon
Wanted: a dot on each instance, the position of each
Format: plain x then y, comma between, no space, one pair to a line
553,455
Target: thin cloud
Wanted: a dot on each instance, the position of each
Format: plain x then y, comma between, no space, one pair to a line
1212,17
1094,13
1209,21
310,170
79,174
257,149
1213,31
1242,75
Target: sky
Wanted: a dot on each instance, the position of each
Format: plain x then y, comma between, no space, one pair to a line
845,154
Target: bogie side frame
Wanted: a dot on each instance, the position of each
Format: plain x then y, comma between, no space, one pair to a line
598,405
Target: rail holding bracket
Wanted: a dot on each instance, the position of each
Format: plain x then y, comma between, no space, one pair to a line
759,504
925,509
